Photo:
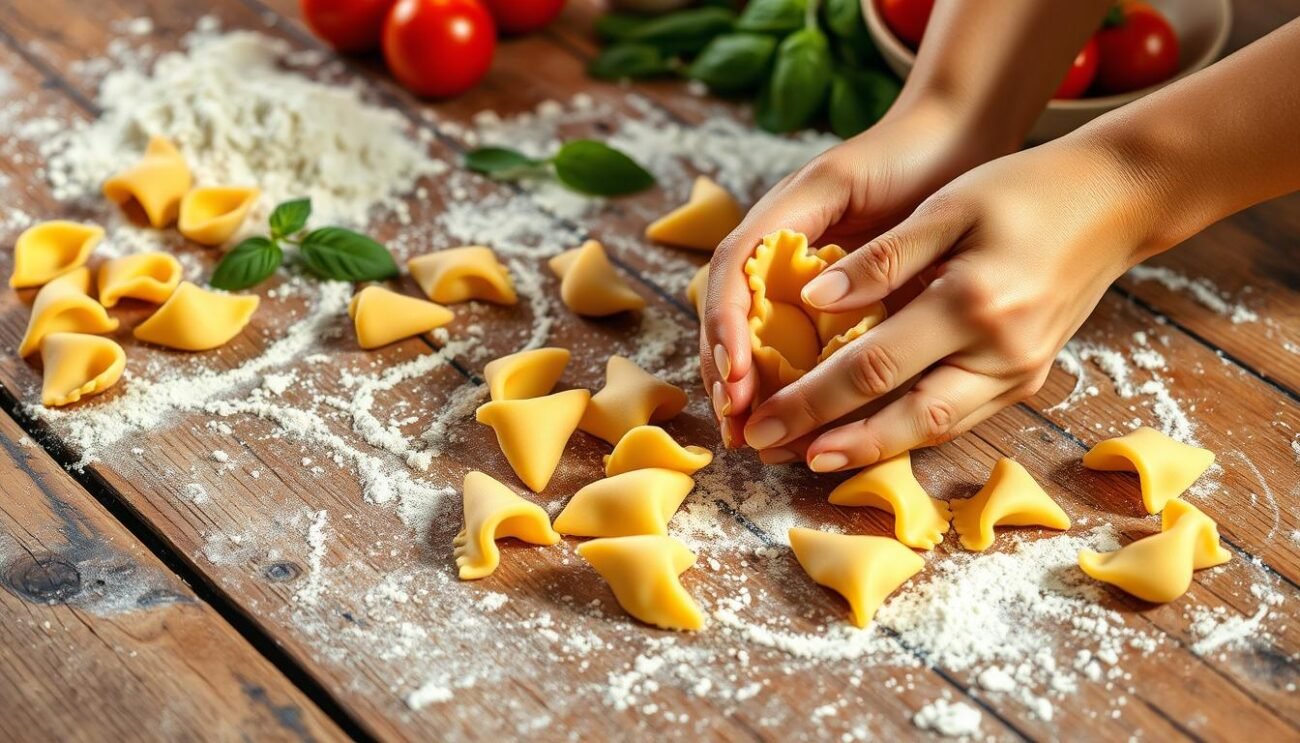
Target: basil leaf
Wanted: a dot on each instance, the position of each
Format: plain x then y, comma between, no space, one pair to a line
843,17
290,217
590,167
499,162
683,32
249,263
859,98
773,16
630,60
734,63
619,26
336,253
797,89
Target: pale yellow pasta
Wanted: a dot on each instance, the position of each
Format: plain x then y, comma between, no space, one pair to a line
78,365
210,215
150,191
381,316
149,277
50,249
65,306
195,319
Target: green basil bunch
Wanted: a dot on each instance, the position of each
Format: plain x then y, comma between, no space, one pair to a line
583,165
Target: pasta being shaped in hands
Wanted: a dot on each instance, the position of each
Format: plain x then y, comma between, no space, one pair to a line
150,277
589,285
194,319
526,373
862,569
1011,497
381,316
646,447
1159,568
50,249
65,306
631,397
210,215
461,274
698,289
919,520
636,502
532,433
702,222
494,511
150,191
643,571
78,365
1165,467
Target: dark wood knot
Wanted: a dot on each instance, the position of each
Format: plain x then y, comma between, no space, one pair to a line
282,572
45,579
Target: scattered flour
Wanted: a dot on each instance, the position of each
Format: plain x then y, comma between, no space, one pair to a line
949,719
1202,290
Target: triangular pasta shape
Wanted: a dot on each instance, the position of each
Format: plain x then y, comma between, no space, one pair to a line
1165,467
862,569
150,277
532,433
526,373
1159,568
646,447
210,215
50,249
194,319
631,397
64,305
494,511
698,289
382,316
150,191
589,285
1011,497
461,274
78,365
702,222
919,520
636,502
643,571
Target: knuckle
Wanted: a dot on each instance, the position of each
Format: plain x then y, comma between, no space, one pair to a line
873,371
937,418
881,260
802,404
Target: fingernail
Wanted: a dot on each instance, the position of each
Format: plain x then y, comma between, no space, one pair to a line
777,456
829,287
828,462
722,361
721,402
764,433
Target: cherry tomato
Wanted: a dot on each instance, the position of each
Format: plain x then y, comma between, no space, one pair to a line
1081,73
523,16
1138,49
347,25
439,48
907,18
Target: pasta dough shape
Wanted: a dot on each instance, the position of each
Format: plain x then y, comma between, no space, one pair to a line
919,520
78,365
1159,568
631,397
462,274
702,222
643,573
532,433
526,373
1011,497
151,277
151,190
494,511
698,289
65,306
636,502
211,214
589,285
382,316
862,569
194,319
1165,467
49,249
646,447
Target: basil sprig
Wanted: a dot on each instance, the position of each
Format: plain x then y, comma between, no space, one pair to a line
800,81
734,63
583,165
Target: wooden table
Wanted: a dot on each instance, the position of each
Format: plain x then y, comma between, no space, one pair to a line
132,608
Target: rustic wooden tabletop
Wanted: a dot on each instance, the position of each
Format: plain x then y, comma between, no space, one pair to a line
259,545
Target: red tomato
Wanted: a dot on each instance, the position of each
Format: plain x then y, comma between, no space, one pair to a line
523,16
439,48
906,18
1138,49
1081,73
347,25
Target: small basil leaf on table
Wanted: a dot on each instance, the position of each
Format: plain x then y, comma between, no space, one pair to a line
595,168
499,162
683,32
859,98
734,63
800,79
290,217
249,263
629,60
344,255
773,16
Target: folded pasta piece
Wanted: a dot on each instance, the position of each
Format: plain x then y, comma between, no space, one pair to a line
49,249
150,191
78,365
194,319
1165,467
150,277
210,215
526,373
1011,497
1159,568
631,397
643,573
636,502
919,520
461,274
862,569
646,447
702,222
532,433
494,511
698,289
382,316
589,285
64,305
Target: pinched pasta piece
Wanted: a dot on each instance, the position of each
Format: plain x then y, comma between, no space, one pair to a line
1165,467
150,191
194,319
645,447
636,502
381,316
210,215
526,373
461,274
50,249
149,277
1011,497
78,365
919,520
65,306
698,289
702,222
643,573
589,285
494,511
532,433
862,569
631,397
